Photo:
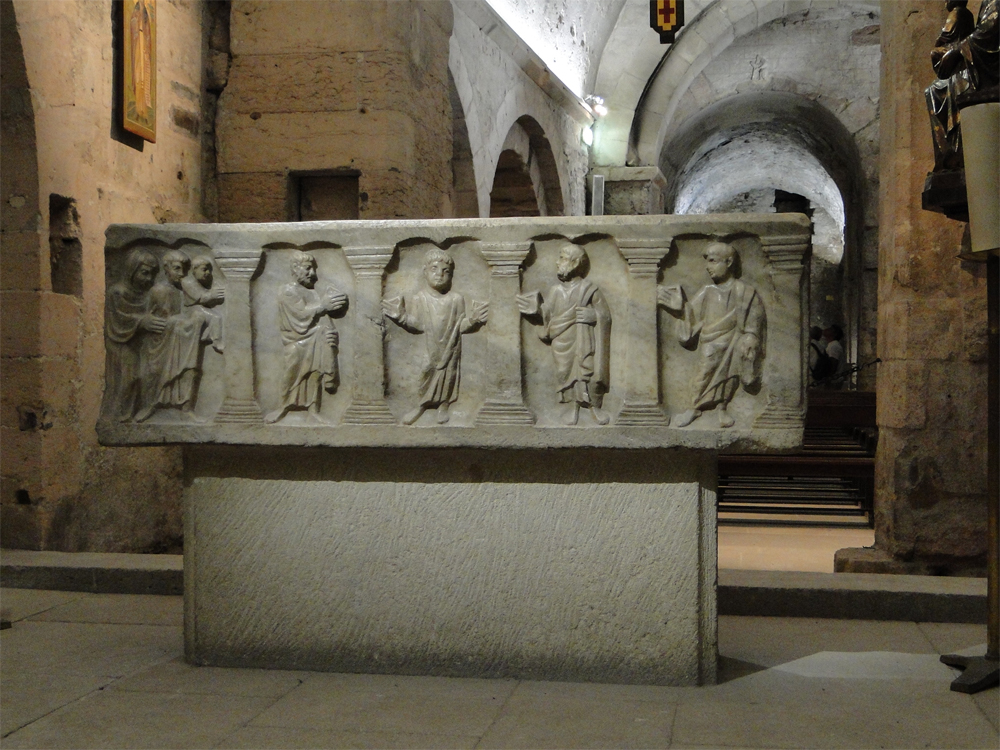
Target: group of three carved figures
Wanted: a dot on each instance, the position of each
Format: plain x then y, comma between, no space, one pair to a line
156,333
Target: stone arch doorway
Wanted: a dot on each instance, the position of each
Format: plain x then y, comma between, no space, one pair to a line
526,181
770,151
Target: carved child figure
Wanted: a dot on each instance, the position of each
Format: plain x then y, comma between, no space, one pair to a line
199,291
575,321
726,321
310,339
171,359
126,320
440,314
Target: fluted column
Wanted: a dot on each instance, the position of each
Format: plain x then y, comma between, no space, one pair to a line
504,402
240,404
368,405
786,257
642,371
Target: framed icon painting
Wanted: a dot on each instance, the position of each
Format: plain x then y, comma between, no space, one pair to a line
139,91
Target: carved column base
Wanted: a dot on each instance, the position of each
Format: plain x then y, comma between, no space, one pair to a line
239,411
642,414
369,412
776,417
504,413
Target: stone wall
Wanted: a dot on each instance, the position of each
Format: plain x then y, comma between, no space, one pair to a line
930,512
347,87
65,175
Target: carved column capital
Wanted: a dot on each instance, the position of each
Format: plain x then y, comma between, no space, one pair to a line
788,253
644,256
368,261
238,263
505,259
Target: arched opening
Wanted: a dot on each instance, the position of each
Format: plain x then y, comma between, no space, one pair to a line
526,182
756,153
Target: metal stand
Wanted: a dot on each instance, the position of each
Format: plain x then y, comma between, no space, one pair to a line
982,672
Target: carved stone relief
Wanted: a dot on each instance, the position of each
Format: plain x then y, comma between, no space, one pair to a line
726,323
160,315
301,340
574,320
442,316
521,332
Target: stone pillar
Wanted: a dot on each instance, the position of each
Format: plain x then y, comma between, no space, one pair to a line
240,404
786,401
504,403
642,376
930,466
632,191
368,405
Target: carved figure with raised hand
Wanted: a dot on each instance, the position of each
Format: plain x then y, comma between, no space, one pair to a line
171,359
126,319
440,314
574,319
310,339
726,321
200,290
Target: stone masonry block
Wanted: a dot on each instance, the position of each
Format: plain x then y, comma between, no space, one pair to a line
310,141
926,329
20,262
902,389
60,325
20,333
253,197
261,27
956,394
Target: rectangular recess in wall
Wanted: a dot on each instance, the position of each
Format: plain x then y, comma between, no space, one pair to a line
326,196
65,246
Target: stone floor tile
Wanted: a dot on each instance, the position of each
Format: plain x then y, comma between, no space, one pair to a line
124,609
390,703
113,719
45,665
952,637
769,641
17,604
177,676
561,715
782,710
286,738
988,702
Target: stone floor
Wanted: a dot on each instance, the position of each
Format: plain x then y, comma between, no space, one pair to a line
804,549
105,670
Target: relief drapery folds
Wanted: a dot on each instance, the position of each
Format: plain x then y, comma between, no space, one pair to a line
514,330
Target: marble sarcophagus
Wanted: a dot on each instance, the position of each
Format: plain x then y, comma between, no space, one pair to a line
469,447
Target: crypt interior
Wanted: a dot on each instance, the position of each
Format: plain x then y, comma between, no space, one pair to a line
299,110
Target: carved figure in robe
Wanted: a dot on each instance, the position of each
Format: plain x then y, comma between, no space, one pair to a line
310,339
942,94
440,314
966,59
171,360
574,319
127,319
726,322
199,290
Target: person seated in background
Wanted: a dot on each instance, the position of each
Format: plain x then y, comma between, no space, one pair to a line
835,352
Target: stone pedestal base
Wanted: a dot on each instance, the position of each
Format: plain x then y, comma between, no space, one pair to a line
581,565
